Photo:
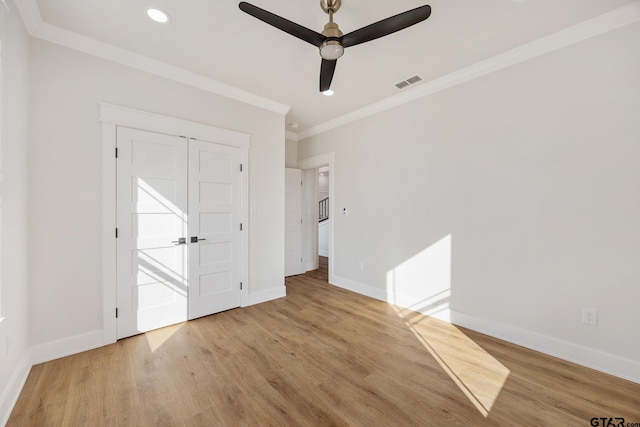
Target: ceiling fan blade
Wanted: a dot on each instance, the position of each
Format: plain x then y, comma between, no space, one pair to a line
327,68
285,25
386,26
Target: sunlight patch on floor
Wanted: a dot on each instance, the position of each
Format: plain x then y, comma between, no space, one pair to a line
478,374
158,337
422,283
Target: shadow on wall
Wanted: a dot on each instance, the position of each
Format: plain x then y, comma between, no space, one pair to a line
422,283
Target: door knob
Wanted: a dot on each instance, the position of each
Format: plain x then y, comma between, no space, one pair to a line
180,241
196,239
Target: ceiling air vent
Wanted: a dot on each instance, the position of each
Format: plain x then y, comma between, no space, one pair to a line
408,82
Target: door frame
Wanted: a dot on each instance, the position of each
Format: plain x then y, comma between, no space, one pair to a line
113,116
316,162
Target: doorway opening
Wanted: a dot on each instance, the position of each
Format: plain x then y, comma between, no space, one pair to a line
324,203
318,244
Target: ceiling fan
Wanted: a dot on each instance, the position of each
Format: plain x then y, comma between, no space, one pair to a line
332,41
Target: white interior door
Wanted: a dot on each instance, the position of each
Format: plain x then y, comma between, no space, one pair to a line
151,218
179,205
214,228
293,222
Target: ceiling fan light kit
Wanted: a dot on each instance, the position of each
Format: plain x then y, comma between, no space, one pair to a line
332,42
331,50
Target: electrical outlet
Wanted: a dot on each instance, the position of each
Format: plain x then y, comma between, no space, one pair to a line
361,265
590,316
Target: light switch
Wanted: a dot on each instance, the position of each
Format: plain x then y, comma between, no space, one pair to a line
253,212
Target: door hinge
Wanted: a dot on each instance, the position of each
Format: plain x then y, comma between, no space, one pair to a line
240,167
116,152
116,232
240,285
240,226
116,312
300,183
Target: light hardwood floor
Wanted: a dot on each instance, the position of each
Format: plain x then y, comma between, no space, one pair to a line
322,356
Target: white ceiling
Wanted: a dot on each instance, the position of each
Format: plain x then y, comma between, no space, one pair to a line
214,39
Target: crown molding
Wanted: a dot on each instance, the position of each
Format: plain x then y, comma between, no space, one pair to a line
38,28
601,24
607,22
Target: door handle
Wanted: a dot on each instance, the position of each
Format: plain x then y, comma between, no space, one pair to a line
180,241
196,239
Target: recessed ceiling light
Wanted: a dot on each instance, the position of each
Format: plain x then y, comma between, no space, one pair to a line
158,15
293,125
328,92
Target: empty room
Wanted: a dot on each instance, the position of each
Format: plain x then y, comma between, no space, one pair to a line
318,213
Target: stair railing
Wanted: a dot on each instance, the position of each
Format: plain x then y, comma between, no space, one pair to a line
323,210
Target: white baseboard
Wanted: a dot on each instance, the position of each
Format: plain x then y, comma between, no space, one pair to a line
588,357
359,288
403,301
267,295
65,347
591,358
9,396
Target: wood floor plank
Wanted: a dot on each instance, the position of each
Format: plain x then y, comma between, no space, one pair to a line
322,356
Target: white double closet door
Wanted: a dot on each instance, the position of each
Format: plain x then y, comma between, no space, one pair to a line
178,224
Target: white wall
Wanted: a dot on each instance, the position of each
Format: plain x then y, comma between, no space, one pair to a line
65,180
291,154
14,328
511,200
